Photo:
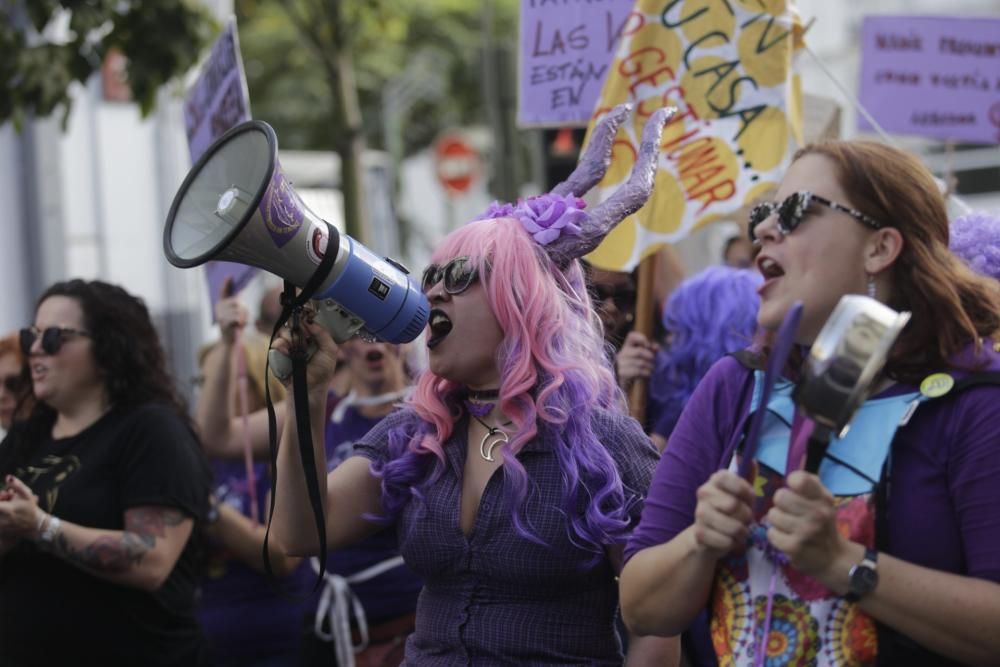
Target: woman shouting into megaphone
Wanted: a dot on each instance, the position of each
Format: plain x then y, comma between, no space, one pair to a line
512,474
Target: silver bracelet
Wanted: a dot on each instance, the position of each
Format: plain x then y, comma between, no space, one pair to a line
50,529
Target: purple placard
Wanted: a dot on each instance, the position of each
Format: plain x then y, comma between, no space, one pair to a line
566,48
933,76
218,100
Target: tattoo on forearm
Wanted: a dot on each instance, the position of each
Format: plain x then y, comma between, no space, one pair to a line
107,554
117,554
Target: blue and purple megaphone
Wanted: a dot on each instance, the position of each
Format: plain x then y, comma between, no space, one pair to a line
236,205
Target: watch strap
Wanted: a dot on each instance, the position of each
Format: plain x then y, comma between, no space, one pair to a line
868,562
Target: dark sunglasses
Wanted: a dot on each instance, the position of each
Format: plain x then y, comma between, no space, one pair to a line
793,210
52,338
14,383
458,275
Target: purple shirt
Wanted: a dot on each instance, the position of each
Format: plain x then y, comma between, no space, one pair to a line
495,597
945,474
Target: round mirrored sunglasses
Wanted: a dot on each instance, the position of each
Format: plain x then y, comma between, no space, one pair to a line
458,275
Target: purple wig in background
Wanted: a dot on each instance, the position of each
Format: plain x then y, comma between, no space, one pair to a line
710,315
975,238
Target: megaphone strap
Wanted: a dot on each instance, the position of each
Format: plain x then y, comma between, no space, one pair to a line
290,306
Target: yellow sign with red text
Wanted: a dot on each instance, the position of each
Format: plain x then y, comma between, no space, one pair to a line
727,65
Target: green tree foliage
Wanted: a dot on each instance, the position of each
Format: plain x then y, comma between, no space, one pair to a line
289,87
49,44
316,70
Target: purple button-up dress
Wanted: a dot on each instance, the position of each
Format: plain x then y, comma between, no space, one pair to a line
495,597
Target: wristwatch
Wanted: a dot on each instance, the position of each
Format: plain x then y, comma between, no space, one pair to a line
863,577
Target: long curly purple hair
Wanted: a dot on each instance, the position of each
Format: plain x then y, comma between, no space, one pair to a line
975,238
710,315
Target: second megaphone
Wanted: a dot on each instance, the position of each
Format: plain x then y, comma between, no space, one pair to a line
236,205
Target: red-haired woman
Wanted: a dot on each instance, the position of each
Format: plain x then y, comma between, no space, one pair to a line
892,553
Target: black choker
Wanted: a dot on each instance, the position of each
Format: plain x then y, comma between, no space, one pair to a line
482,395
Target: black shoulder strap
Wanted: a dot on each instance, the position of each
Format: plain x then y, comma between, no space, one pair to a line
975,380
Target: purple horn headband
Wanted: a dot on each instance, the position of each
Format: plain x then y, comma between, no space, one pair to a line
557,220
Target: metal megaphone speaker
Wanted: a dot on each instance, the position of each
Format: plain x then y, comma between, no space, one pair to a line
840,370
236,205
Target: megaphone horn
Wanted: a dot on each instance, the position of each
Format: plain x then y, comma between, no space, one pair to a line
237,205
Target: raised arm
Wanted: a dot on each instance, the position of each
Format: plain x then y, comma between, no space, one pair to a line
221,429
351,490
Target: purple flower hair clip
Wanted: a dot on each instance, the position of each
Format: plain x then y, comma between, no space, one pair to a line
557,220
546,217
549,216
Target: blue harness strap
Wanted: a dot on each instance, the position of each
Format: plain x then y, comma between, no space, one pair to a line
853,463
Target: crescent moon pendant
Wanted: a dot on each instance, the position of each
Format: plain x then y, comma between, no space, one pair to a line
490,441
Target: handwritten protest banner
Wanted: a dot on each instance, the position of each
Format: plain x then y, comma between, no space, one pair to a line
932,76
566,48
727,66
217,101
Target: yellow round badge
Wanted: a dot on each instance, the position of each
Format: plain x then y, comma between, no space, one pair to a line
936,385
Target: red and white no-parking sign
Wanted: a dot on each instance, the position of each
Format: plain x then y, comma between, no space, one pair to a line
456,164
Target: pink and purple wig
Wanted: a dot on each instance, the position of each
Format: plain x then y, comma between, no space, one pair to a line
554,372
708,316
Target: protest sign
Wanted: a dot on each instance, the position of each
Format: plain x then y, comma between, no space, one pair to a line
566,48
218,101
932,76
728,68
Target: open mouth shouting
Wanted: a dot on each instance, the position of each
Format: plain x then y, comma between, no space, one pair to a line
374,358
440,326
771,271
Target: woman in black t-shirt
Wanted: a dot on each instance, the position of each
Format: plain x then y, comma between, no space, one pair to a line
102,486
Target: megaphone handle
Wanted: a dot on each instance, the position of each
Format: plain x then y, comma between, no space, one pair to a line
809,441
281,363
816,448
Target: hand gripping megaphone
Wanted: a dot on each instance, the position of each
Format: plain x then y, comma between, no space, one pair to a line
237,205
